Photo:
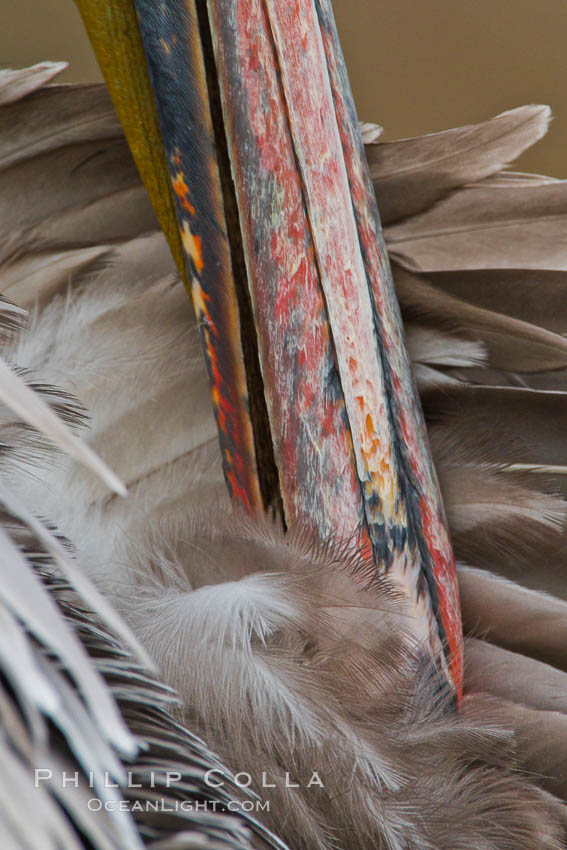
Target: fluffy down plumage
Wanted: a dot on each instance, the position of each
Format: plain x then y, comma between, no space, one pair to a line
287,656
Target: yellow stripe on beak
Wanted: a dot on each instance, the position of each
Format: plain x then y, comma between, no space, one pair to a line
113,31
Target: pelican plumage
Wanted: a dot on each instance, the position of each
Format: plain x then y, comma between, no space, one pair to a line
181,673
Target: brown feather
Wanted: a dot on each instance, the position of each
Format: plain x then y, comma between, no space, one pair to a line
521,620
62,180
37,278
511,344
542,744
69,114
17,84
494,519
532,420
114,218
327,684
536,296
412,174
480,227
515,677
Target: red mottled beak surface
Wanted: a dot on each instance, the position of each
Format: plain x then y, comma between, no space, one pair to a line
310,381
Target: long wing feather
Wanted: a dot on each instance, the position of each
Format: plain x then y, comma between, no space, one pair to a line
85,112
412,174
536,296
531,420
17,84
521,620
511,344
516,678
483,227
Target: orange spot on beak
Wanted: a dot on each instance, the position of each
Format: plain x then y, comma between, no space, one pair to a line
193,246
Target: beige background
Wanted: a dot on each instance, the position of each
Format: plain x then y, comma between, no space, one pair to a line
416,65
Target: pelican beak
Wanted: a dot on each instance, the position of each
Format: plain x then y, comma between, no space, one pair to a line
240,117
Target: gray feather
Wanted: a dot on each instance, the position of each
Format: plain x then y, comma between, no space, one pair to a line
412,174
531,623
511,344
59,181
536,296
69,114
515,677
17,84
534,421
482,228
